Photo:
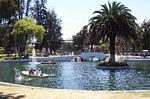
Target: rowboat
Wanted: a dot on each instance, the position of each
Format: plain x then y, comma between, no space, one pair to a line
26,73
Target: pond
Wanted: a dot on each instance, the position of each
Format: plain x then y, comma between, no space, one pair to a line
78,75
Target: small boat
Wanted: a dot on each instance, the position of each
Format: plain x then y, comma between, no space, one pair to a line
49,62
26,73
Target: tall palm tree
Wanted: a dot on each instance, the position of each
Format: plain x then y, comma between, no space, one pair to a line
111,21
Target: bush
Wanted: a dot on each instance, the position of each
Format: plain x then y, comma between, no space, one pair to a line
1,49
116,64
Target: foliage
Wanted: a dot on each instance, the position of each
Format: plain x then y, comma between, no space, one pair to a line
24,29
1,49
27,7
53,33
79,40
27,26
6,40
104,47
52,36
13,10
111,21
68,46
146,35
8,8
116,64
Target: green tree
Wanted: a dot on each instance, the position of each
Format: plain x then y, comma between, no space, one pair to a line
113,20
27,7
79,40
90,39
68,46
52,36
8,8
24,30
11,10
146,35
38,11
22,7
53,33
6,40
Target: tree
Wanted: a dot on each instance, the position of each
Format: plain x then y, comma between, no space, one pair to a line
90,38
38,11
8,8
79,40
111,21
24,29
6,40
53,33
146,35
11,10
27,7
21,7
52,36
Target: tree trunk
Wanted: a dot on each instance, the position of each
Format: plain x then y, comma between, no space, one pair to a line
27,7
91,47
46,48
112,50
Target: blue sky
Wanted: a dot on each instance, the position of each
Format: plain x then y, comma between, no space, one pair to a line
76,13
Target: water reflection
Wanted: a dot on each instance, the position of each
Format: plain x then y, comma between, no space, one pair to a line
77,75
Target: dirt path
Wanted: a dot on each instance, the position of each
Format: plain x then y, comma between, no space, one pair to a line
25,92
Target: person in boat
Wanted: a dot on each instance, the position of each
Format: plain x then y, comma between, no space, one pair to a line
36,72
31,71
144,55
40,72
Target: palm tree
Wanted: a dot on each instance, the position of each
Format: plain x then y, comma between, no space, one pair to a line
111,21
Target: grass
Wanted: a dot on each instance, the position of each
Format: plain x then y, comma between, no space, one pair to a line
9,57
13,57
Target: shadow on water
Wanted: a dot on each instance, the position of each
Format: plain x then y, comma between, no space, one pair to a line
141,66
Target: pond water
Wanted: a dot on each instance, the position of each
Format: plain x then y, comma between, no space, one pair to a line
78,75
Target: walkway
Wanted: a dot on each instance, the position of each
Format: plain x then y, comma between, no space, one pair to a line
24,92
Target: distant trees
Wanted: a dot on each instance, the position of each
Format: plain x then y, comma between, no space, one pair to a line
79,40
6,40
8,9
14,10
52,38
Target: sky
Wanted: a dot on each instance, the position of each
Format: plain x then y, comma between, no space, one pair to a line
76,13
